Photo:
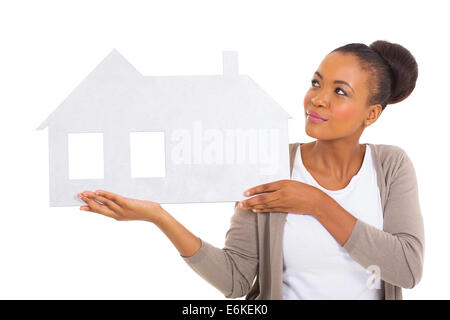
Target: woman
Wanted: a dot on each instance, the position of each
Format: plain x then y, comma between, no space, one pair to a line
347,225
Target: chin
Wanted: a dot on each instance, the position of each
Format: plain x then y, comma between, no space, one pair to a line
317,133
312,132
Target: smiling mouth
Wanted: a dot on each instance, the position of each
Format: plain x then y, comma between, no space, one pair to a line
315,115
314,118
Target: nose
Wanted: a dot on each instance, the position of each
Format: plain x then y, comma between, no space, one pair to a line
320,99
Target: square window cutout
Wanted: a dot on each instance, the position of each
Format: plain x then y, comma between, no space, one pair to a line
85,155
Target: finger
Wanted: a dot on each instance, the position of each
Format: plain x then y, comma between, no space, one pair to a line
270,205
267,187
261,210
274,209
274,204
111,196
260,200
97,208
85,208
109,203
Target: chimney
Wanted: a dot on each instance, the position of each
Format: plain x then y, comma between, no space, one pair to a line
230,63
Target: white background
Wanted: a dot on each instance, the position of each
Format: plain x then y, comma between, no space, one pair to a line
48,47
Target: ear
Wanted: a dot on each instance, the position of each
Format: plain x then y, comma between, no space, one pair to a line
373,113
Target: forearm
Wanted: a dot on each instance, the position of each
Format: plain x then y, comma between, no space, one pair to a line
334,218
186,243
232,269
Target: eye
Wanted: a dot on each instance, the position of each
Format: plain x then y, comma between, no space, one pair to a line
313,82
340,90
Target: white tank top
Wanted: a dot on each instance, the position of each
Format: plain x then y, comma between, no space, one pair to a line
316,266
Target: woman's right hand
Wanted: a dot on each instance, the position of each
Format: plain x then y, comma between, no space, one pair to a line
120,208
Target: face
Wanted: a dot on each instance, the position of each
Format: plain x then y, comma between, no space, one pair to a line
338,94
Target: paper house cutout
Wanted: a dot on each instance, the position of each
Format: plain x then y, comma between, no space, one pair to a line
222,134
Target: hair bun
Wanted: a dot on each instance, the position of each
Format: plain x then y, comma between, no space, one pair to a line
403,67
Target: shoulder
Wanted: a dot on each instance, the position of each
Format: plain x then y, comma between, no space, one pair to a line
388,149
388,152
390,157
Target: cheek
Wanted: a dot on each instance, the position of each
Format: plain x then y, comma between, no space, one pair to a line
344,112
307,99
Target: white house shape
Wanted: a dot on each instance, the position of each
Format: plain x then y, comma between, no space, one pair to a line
222,133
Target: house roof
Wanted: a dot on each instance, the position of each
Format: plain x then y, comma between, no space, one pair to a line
115,66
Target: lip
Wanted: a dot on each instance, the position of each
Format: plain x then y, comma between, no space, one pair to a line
314,116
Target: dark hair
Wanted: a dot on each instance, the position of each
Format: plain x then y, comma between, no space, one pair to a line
393,70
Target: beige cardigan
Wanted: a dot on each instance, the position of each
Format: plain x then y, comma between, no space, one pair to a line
253,245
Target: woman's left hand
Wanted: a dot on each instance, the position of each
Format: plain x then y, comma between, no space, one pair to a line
283,196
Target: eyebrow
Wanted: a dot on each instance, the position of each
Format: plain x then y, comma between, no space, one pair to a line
335,81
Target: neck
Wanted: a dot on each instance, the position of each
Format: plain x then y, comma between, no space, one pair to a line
339,157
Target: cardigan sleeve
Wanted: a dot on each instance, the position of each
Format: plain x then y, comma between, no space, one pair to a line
398,250
232,269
